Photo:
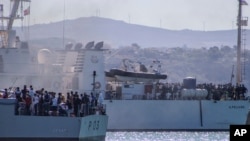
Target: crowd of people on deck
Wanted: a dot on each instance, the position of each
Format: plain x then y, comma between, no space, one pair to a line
45,103
214,91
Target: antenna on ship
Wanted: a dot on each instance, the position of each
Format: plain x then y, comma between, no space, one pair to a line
240,22
63,38
232,75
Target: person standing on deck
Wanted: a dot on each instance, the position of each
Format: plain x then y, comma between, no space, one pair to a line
35,101
28,101
24,92
76,104
100,99
5,94
69,104
31,91
54,105
18,93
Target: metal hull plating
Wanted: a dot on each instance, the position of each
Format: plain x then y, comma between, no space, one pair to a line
153,115
15,127
101,138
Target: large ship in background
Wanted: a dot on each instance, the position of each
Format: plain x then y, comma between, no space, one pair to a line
156,105
21,65
135,105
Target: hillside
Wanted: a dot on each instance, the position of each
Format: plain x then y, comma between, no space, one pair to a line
208,56
118,33
213,65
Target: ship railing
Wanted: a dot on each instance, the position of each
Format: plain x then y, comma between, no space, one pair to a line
213,95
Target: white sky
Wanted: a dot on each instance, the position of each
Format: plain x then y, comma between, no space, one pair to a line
169,14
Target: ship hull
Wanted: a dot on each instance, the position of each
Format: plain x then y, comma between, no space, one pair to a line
101,138
175,115
22,127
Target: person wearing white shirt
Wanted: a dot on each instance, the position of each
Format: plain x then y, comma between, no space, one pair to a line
35,101
31,92
100,99
54,106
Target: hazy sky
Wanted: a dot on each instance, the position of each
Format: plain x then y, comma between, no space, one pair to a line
169,14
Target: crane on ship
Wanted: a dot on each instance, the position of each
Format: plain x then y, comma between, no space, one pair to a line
5,33
241,21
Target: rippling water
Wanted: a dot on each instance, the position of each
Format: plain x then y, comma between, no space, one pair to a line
167,136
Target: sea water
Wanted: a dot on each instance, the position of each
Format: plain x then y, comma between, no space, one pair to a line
167,136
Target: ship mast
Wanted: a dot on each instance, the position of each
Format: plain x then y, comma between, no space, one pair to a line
4,33
240,23
13,14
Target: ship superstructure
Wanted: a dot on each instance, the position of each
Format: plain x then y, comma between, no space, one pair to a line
50,70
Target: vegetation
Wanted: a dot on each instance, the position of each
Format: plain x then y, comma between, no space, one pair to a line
208,65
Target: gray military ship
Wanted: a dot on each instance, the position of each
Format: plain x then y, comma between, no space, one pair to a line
34,70
28,128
